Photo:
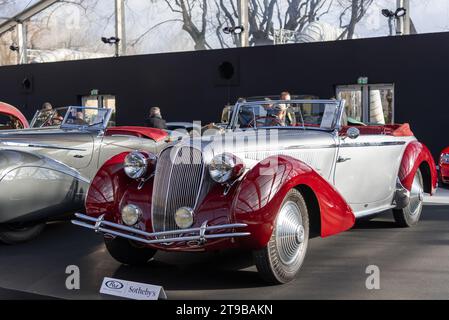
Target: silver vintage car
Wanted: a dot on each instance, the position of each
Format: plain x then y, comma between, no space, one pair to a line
45,171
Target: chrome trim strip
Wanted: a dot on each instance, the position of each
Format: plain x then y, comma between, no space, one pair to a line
373,211
371,144
324,146
36,145
199,233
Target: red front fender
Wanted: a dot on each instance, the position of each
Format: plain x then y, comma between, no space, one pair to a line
107,187
415,155
260,194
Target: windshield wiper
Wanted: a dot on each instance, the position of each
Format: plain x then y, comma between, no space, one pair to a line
95,124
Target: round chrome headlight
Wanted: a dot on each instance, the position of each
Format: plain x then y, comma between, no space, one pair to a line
225,167
184,217
131,214
136,165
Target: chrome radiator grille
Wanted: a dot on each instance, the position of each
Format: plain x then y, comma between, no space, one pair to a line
177,183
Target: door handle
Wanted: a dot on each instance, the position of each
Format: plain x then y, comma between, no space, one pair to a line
342,159
78,156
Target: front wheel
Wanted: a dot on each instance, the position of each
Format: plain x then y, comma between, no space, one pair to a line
128,252
280,260
14,233
409,216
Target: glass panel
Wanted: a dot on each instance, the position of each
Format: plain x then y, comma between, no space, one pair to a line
266,114
90,101
48,118
381,106
109,102
89,117
353,106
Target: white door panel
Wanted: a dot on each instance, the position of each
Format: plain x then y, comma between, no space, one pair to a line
369,175
320,159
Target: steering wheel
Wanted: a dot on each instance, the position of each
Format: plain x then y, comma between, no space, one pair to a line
273,121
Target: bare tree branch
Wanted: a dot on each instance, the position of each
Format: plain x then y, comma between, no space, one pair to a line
357,10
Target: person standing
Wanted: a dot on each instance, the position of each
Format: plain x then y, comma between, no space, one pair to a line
287,112
155,120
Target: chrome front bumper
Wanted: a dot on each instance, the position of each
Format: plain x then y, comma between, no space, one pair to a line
192,234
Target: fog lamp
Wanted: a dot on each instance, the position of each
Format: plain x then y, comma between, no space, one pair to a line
131,214
184,217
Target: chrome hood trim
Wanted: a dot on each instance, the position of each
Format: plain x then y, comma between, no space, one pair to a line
37,145
242,143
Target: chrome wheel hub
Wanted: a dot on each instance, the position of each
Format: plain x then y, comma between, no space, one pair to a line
299,234
416,195
289,233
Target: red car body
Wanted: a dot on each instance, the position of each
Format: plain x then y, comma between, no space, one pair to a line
249,202
11,111
444,167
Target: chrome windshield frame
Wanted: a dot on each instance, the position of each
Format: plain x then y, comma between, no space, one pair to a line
339,104
103,127
52,113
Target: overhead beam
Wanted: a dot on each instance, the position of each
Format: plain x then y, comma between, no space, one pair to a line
25,15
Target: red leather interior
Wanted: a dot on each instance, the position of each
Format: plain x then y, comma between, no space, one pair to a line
397,130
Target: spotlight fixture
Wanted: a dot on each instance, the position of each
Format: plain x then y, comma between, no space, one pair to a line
233,30
111,40
400,12
13,47
387,13
392,16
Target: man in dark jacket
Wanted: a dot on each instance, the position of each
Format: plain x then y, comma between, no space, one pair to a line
155,120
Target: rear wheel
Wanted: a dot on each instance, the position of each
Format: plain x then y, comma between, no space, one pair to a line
14,233
409,216
128,252
281,259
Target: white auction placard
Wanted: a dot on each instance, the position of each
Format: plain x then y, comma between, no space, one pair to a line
132,290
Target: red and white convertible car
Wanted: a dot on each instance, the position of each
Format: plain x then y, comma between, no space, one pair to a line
279,174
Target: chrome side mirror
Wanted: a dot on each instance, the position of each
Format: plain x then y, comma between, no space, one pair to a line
226,114
353,133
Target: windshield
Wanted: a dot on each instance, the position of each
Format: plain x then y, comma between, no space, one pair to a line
49,118
95,118
305,114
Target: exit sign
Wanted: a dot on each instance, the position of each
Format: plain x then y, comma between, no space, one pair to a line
94,92
362,80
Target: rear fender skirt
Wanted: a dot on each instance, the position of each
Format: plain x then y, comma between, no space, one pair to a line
260,194
414,156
